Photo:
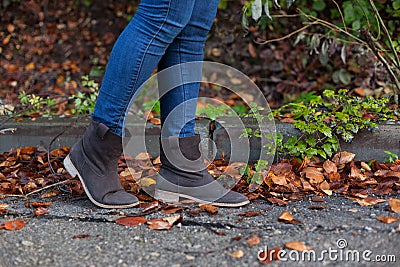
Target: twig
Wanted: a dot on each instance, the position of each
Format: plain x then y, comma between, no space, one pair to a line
286,36
341,14
6,195
49,186
48,153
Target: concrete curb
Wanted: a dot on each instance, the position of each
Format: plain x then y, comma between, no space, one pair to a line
40,132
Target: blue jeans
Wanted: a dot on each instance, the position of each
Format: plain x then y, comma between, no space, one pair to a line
163,33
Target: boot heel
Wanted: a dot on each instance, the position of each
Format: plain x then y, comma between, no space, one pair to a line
166,196
70,167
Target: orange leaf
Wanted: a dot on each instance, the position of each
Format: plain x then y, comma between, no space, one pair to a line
159,224
394,205
329,166
369,201
279,180
171,209
249,214
209,208
299,246
266,257
131,221
41,211
286,216
278,201
388,219
237,254
343,158
252,241
314,175
13,225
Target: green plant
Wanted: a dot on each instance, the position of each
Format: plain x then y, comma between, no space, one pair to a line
392,157
212,112
254,174
85,102
323,119
35,104
152,105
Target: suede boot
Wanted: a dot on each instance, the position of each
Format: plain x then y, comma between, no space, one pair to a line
94,159
183,174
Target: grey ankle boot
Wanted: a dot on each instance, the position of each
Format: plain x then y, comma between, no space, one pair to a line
94,159
183,174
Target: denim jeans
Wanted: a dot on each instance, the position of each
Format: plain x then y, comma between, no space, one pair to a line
163,33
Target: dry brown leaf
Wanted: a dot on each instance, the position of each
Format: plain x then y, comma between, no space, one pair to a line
249,214
365,166
278,201
394,205
314,175
51,193
146,207
13,225
253,241
299,246
209,208
143,156
237,254
353,210
41,211
286,216
131,221
170,209
343,158
279,180
369,201
159,224
157,160
388,219
37,204
155,121
317,199
329,166
252,50
146,182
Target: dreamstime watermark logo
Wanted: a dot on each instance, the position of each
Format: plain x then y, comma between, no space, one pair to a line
340,253
173,86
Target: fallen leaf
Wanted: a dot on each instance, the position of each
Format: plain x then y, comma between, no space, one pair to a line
314,175
143,156
394,205
170,209
317,199
237,254
369,201
279,180
209,208
286,217
150,206
278,201
253,241
146,182
51,193
173,219
131,221
329,166
13,225
299,246
343,158
249,214
353,210
41,211
37,204
388,219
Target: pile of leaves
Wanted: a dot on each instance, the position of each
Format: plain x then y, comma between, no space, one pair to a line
29,170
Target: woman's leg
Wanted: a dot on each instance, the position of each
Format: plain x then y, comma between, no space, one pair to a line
136,54
94,158
188,46
183,173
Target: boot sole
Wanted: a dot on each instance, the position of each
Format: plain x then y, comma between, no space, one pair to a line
69,166
172,197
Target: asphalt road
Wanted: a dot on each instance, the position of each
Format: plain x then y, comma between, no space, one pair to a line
203,240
